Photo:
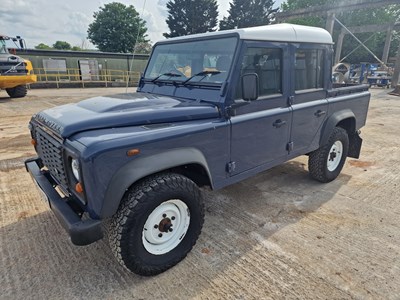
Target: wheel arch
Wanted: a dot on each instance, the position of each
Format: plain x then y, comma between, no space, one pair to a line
344,119
189,162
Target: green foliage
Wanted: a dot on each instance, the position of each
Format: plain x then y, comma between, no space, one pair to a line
62,45
115,28
191,16
143,48
59,45
299,4
381,15
244,13
42,46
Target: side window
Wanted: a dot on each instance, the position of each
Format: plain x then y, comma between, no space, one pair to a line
309,69
267,64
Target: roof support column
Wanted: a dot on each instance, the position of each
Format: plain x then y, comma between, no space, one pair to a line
339,46
396,73
330,22
386,48
358,40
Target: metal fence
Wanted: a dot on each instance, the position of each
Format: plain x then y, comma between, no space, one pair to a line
75,76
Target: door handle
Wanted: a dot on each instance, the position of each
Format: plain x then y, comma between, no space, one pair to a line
319,113
279,123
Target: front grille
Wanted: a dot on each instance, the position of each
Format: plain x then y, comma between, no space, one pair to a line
12,68
50,151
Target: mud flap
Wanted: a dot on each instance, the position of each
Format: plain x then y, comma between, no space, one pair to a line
355,142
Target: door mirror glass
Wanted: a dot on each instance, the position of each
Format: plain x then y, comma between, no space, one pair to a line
250,87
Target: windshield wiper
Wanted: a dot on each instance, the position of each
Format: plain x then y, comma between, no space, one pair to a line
202,73
170,74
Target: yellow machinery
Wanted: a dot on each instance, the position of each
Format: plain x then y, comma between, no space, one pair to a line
15,72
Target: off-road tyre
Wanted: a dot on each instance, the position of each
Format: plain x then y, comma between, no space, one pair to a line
318,159
17,92
126,228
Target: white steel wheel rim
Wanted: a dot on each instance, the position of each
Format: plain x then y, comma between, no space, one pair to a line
165,227
335,156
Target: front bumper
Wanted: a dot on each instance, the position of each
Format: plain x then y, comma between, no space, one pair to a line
82,232
13,81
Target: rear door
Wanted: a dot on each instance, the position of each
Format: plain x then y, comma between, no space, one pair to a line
261,128
309,98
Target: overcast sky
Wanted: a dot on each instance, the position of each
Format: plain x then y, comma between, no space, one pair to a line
47,21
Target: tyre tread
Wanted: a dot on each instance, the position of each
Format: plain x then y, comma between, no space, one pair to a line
19,91
317,158
133,202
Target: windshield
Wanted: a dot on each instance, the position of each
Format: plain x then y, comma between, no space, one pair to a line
3,48
189,62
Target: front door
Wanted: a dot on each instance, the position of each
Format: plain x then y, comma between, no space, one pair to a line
261,128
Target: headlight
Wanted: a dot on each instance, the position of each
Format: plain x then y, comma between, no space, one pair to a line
75,168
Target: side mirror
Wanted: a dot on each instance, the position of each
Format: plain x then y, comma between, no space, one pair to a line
250,87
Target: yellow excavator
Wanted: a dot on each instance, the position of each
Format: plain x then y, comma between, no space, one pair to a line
15,72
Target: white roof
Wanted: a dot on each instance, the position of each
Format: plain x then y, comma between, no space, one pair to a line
274,33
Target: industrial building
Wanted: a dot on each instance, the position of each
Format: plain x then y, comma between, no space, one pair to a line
71,68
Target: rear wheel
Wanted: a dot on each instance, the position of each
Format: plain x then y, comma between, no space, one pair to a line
326,163
17,92
157,224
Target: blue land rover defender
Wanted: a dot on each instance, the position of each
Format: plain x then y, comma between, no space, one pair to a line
210,109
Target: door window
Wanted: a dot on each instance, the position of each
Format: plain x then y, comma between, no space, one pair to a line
308,69
267,64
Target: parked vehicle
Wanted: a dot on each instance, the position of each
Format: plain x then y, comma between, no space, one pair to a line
211,109
15,72
379,79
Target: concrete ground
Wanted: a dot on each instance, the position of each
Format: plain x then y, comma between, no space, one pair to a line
276,235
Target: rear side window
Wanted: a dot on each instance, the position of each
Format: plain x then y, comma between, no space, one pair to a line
267,64
309,69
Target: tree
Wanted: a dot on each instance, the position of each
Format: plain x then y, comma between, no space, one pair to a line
42,46
84,44
244,13
59,45
381,15
298,4
115,28
143,48
191,16
62,45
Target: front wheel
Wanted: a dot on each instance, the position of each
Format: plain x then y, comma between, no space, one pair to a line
157,223
326,163
17,92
